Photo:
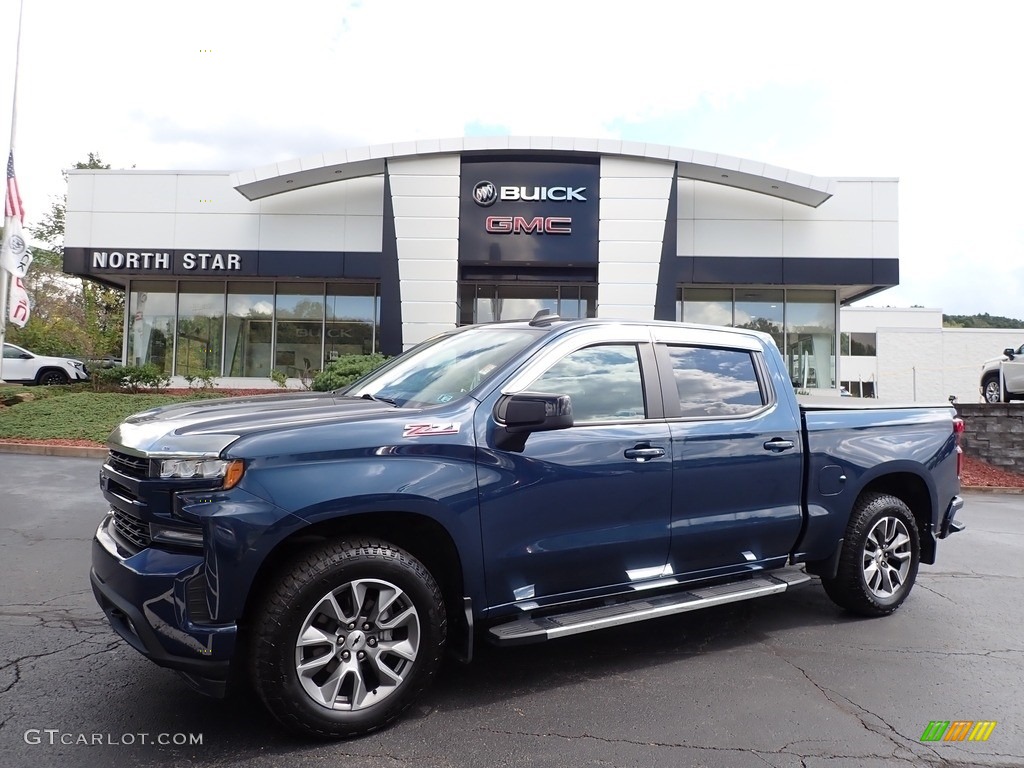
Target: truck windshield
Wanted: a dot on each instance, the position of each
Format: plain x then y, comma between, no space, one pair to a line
444,369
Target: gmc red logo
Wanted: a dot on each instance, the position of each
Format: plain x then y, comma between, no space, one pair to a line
520,225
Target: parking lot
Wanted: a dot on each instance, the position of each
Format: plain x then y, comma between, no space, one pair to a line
782,681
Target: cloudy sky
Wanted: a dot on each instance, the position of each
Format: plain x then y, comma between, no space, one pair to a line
926,92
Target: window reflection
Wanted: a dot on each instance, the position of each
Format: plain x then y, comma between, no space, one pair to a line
603,381
200,328
300,325
715,382
151,312
353,321
484,303
249,329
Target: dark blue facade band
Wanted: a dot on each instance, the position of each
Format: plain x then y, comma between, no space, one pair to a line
390,283
110,264
665,293
745,270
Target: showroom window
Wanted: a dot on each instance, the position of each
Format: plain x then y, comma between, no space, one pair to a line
801,321
486,303
250,329
353,321
151,323
200,328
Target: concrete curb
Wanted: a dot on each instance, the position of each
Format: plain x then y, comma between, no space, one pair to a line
42,449
99,452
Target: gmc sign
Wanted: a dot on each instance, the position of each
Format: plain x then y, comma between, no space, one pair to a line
520,225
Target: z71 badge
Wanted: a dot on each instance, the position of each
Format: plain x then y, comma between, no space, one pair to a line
426,430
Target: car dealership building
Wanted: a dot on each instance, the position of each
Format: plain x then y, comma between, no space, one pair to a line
290,266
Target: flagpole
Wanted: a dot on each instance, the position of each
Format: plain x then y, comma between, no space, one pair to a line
5,277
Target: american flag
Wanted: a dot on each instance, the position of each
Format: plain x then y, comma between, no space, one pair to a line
13,197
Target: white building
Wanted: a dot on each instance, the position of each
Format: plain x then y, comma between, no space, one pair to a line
906,354
289,266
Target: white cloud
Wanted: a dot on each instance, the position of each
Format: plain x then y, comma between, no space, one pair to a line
925,92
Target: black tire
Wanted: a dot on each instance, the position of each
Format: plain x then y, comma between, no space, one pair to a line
880,557
366,584
990,390
52,377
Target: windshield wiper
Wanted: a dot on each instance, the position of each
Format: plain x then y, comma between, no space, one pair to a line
378,399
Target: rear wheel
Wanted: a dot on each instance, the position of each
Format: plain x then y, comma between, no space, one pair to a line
52,377
348,639
880,557
991,391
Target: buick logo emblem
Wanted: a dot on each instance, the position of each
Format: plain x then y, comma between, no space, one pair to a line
485,193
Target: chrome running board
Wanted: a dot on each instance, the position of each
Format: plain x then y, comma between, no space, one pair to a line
532,630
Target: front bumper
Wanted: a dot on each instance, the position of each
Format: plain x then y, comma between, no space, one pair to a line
146,597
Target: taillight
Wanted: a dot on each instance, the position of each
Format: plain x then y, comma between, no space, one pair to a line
958,430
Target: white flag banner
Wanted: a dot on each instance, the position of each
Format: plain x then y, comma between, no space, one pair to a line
18,310
15,256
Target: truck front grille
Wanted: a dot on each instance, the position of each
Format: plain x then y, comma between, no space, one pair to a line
126,464
131,529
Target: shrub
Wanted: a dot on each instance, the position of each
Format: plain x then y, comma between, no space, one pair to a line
346,369
202,379
131,378
279,377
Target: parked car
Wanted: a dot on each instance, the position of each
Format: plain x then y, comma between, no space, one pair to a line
1011,366
24,367
518,482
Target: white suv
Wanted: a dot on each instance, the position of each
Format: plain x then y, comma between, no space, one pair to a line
22,367
1012,364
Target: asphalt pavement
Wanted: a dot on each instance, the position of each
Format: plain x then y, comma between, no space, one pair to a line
782,681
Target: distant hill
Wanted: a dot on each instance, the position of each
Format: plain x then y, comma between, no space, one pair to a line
980,321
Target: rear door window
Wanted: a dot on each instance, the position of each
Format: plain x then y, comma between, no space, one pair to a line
713,382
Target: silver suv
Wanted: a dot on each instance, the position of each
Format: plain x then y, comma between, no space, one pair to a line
1012,366
23,367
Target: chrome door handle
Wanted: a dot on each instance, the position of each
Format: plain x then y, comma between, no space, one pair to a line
777,445
643,453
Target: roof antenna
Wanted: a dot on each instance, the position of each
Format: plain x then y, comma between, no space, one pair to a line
544,317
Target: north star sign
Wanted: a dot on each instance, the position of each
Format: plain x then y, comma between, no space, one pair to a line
161,260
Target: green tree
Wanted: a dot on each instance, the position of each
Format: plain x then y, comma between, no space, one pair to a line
69,316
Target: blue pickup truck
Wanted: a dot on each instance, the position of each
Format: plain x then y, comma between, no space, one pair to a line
517,482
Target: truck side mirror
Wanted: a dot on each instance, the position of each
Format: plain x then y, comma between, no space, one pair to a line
1010,352
520,415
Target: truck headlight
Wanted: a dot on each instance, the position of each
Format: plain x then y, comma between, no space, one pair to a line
203,468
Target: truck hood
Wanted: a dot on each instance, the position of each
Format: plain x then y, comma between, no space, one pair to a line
206,427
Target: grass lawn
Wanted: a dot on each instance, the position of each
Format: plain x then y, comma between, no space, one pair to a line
75,413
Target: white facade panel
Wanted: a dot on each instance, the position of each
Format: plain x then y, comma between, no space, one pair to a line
302,233
426,228
446,165
621,208
633,188
78,226
327,199
631,251
364,196
433,250
441,207
828,239
425,186
240,232
714,201
210,195
363,233
428,269
635,168
434,312
80,189
134,193
132,230
631,230
686,198
851,201
621,293
620,272
685,245
737,238
885,240
626,311
884,201
428,290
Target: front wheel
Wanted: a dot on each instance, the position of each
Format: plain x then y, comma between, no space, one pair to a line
349,637
880,556
991,391
52,378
